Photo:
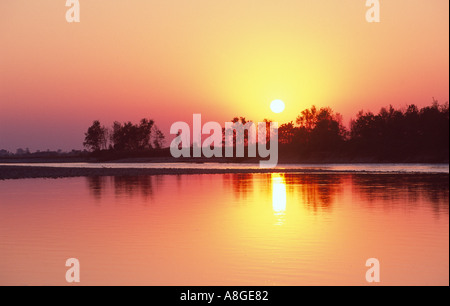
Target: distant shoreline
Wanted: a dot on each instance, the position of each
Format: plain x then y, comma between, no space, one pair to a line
23,171
166,159
18,172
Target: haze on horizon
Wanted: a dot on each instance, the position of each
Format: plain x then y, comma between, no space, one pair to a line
166,60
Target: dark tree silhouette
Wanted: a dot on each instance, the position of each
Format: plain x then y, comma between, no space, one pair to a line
158,138
132,137
317,131
95,137
229,132
286,133
394,134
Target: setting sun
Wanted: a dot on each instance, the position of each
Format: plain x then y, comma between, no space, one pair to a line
277,106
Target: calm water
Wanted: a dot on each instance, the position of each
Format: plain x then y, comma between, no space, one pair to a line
233,229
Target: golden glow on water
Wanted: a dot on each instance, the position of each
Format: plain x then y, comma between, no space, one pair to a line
231,229
278,193
279,196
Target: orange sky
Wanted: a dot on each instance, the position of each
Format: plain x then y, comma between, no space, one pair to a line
167,59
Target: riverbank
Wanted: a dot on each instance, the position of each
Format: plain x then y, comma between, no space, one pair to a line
60,171
130,160
20,172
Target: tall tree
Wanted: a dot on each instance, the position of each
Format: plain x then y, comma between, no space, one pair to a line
95,137
158,138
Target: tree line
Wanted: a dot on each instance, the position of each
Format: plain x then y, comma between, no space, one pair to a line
411,134
393,134
124,136
390,135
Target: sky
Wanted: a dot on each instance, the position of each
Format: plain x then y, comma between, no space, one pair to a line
166,60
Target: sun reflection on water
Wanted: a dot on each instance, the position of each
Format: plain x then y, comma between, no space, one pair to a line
279,196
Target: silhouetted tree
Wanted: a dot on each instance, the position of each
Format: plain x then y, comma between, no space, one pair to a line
132,137
286,133
394,134
236,141
95,137
319,129
158,138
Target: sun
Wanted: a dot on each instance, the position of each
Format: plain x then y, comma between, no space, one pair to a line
277,106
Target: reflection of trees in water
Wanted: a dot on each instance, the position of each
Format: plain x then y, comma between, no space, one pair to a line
320,191
316,190
241,183
96,186
409,189
132,186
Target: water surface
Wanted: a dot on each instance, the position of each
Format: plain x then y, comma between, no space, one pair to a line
226,229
